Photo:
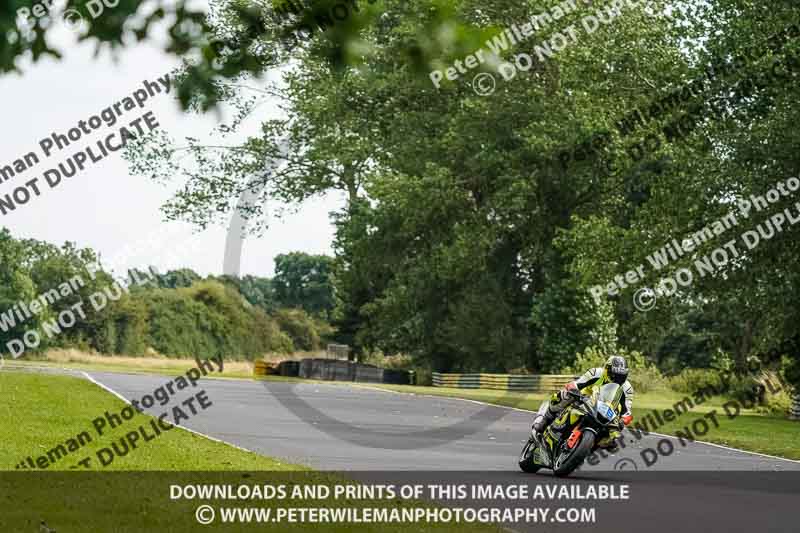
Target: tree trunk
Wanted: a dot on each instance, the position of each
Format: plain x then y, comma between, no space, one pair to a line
744,346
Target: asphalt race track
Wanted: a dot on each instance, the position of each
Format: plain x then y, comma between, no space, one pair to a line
379,436
342,427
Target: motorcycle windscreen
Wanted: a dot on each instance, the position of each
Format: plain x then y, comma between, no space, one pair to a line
608,399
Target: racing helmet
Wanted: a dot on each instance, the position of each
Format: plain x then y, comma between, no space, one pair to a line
616,369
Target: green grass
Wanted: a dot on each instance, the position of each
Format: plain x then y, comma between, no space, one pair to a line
44,410
169,367
38,411
163,367
756,433
749,430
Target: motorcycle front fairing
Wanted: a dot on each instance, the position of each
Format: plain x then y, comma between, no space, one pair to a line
607,402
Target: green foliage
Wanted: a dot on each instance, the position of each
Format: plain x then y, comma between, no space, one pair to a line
777,399
567,321
423,376
15,285
644,376
790,370
205,319
691,380
721,361
304,281
465,242
301,328
179,315
175,279
749,389
208,319
124,328
58,279
764,389
259,292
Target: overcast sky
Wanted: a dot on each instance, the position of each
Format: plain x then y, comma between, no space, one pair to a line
104,207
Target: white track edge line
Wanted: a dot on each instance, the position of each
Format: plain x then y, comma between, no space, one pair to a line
435,396
529,411
209,437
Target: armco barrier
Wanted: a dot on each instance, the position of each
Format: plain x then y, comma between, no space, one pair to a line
289,368
335,370
262,368
514,382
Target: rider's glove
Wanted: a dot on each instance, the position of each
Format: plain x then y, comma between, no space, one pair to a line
627,419
568,389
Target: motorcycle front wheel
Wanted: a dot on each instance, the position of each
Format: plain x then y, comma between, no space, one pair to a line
568,460
526,463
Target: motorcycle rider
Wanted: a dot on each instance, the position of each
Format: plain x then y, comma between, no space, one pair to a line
615,370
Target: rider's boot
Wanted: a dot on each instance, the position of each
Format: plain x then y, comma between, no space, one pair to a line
542,421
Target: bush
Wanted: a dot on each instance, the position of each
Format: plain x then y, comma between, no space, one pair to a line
647,379
424,376
324,330
691,380
206,319
644,376
125,328
790,371
760,390
749,389
300,327
272,338
776,403
392,362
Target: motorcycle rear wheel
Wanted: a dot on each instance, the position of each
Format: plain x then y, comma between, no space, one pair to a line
576,456
526,463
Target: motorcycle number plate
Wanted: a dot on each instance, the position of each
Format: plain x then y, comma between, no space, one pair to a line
606,410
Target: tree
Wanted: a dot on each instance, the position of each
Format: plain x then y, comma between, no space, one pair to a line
233,38
183,277
304,281
454,199
259,292
16,286
741,147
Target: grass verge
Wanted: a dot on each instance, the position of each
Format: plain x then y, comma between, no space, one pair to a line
133,494
748,430
41,411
